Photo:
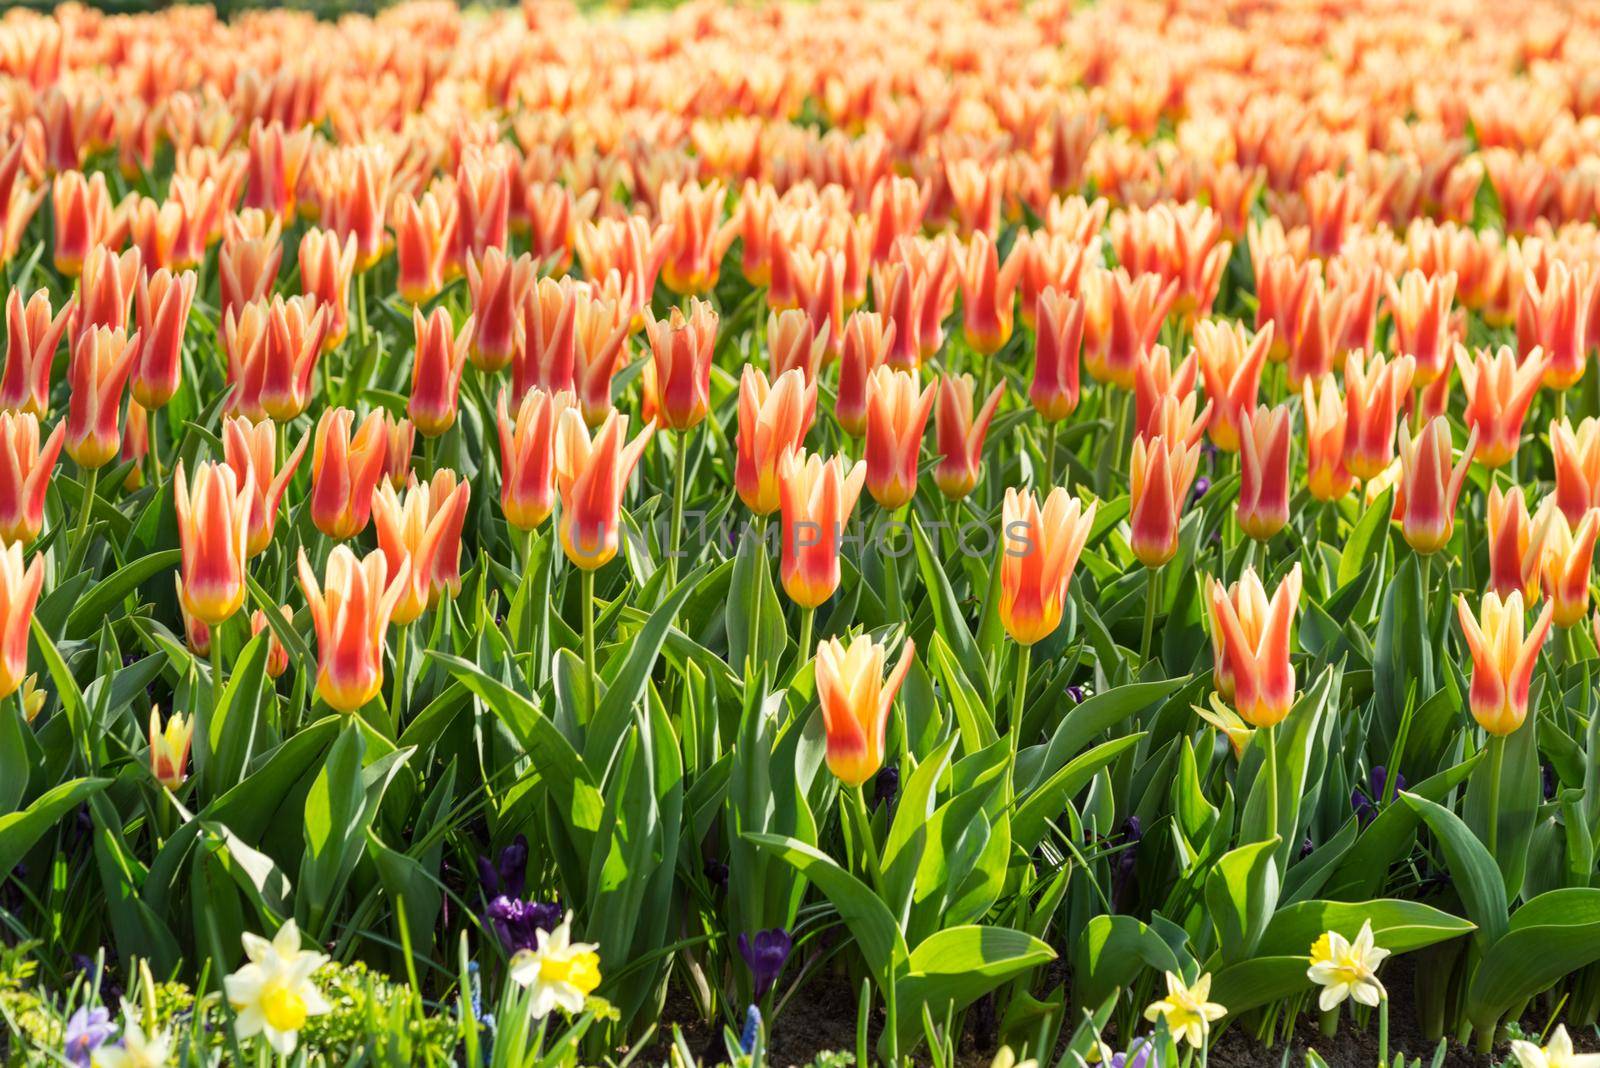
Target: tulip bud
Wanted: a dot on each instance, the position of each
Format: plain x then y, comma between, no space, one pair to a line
1058,344
1327,477
960,435
1042,546
856,699
527,456
102,359
344,471
1429,488
25,471
896,417
591,475
1263,508
771,422
1503,659
1161,471
169,748
251,449
19,593
32,337
163,301
867,342
818,497
351,613
1250,636
436,371
682,349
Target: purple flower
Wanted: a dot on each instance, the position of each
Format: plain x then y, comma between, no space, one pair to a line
766,954
1367,802
508,874
886,787
87,1030
717,873
1141,1054
1201,485
519,922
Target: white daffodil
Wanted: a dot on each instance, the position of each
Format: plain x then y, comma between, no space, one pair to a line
136,1049
273,994
1558,1054
1346,969
560,973
1188,1013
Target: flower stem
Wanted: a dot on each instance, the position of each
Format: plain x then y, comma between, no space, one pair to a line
680,481
807,619
402,646
587,595
1152,594
1497,759
1272,780
1019,698
216,670
80,540
1050,458
1383,1033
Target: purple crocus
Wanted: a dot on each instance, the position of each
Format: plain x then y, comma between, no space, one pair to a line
87,1030
886,787
508,873
519,922
1141,1053
766,954
1367,802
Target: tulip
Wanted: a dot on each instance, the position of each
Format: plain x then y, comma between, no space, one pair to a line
102,359
1503,659
499,288
19,592
326,267
1420,307
354,197
163,301
682,348
771,422
401,437
105,290
419,531
819,279
436,371
896,417
1176,420
818,498
195,632
1134,311
483,205
527,456
275,161
351,613
1568,557
1161,472
1048,261
1250,636
344,471
281,377
793,343
600,327
988,295
1429,488
82,214
248,260
868,339
1319,325
1231,359
135,445
899,300
960,435
856,699
25,471
1042,547
550,218
169,748
633,250
214,533
1327,477
32,337
277,655
1264,470
423,233
1373,391
1058,343
696,238
1499,393
935,262
591,475
1555,318
251,450
1516,543
154,229
1154,379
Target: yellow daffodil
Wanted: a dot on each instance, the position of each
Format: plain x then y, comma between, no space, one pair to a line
560,973
1346,969
1188,1013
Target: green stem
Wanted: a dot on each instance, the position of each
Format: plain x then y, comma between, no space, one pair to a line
807,619
1019,698
1050,457
1383,1033
588,645
869,848
680,481
1497,759
1272,780
1152,594
403,642
891,570
80,540
217,633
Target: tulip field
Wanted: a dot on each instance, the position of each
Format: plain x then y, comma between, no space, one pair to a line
916,532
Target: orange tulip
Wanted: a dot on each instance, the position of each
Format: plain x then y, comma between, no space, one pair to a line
527,456
856,699
1058,343
354,197
326,267
896,417
1162,471
401,437
275,161
1264,471
1429,488
771,422
696,237
424,230
632,249
682,348
344,471
1420,307
135,445
988,295
169,748
960,434
1048,261
154,229
1250,635
1577,464
19,592
351,613
163,301
25,471
1327,477
1555,317
1516,543
1042,547
483,204
436,371
1320,323
1568,558
105,290
248,260
32,337
1499,392
81,209
499,286
1154,378
868,338
102,359
277,655
1231,358
818,497
591,475
1374,389
600,328
1503,659
195,632
214,532
421,529
1135,310
899,300
251,449
794,343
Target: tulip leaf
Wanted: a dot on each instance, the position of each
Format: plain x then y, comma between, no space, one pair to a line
1555,934
96,605
1241,893
952,968
1046,800
1112,951
1259,981
20,830
1473,871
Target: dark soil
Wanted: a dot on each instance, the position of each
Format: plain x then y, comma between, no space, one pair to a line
823,1019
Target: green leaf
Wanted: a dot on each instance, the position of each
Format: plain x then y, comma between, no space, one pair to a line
1398,926
951,969
95,606
1112,951
1241,894
1554,935
1473,871
1045,802
20,830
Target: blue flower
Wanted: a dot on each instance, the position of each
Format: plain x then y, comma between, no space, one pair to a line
87,1030
752,1026
766,955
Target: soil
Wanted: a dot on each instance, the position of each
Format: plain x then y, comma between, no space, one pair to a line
823,1019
